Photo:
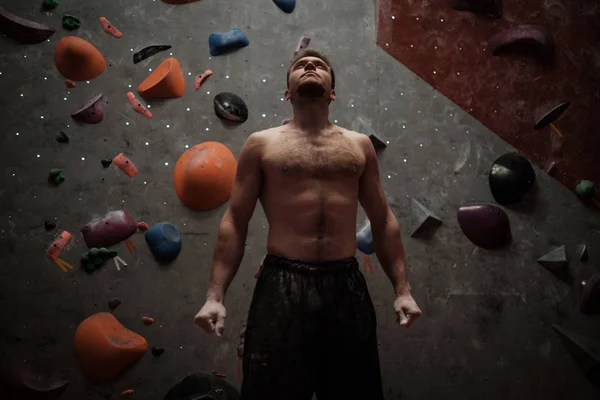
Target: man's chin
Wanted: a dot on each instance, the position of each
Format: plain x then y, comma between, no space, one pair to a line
311,89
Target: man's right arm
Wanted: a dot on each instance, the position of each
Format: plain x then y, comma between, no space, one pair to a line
233,229
231,239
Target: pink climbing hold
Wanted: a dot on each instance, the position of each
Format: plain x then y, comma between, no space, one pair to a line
201,78
70,83
109,28
137,106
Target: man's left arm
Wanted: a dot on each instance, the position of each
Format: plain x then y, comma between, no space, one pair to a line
387,238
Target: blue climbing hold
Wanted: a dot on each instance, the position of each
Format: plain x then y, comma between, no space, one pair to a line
164,241
225,42
287,6
364,240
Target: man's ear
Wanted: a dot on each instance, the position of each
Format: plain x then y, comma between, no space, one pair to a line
332,95
287,94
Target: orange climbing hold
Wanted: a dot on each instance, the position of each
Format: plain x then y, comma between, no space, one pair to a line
201,78
137,106
126,394
103,347
204,176
166,81
70,83
147,320
126,165
78,59
109,28
142,226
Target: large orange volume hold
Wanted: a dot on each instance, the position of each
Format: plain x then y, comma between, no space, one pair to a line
164,82
204,176
78,59
104,347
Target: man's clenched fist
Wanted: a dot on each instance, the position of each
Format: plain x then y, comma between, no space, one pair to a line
211,317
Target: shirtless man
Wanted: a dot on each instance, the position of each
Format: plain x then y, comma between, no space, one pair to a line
311,326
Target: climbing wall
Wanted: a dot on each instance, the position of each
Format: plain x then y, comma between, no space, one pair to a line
487,328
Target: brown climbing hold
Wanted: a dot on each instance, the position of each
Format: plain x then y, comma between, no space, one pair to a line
204,176
147,320
78,59
166,81
104,347
70,83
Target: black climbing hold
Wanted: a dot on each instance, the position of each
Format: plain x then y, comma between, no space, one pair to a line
56,176
532,40
70,22
490,8
582,252
62,137
114,303
287,6
157,351
202,387
589,301
231,107
377,142
510,178
106,162
551,116
49,225
555,259
422,219
148,52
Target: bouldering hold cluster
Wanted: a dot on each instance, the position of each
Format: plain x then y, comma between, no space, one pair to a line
103,347
511,176
78,59
137,106
49,5
164,241
166,81
109,28
486,225
94,258
125,165
57,246
202,77
70,22
422,219
231,107
225,42
49,225
23,30
287,6
202,386
62,137
148,52
91,112
204,175
108,230
56,176
489,8
364,243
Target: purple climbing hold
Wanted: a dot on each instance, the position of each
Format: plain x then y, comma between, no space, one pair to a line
22,30
486,225
532,40
287,6
91,112
108,230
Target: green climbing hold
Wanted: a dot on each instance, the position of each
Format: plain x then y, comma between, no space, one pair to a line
56,176
49,4
585,189
94,258
70,22
62,137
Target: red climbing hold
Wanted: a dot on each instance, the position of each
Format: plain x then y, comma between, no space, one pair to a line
70,83
126,394
109,28
202,77
137,106
147,320
126,165
142,226
219,374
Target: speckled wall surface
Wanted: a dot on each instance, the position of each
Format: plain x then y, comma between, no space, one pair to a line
449,50
486,329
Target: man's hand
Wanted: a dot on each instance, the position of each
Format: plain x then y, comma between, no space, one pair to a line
211,317
406,309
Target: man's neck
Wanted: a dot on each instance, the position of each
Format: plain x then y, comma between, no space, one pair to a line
311,117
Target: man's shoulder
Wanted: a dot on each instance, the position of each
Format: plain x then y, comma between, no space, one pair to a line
357,137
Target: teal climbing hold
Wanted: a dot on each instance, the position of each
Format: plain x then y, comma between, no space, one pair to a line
221,43
287,6
585,189
56,176
49,4
70,22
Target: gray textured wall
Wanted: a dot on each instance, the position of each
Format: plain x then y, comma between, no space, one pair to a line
486,329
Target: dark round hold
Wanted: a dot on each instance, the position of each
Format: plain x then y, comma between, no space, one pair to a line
200,386
551,116
231,107
106,162
510,178
157,351
49,225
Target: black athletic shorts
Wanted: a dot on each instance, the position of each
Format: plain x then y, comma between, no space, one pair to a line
311,329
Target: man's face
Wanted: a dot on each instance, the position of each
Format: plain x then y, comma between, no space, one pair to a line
310,77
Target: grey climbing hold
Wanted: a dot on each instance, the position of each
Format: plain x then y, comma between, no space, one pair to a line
555,259
422,219
582,252
589,346
377,142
